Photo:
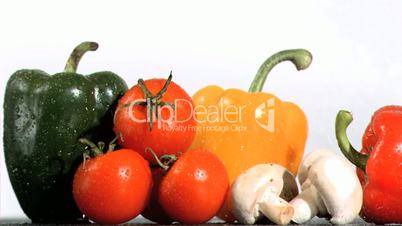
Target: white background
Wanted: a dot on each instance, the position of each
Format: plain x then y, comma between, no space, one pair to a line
356,45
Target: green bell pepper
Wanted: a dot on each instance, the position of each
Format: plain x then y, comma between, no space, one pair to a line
44,116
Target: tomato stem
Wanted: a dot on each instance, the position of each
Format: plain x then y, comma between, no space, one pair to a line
85,156
343,120
163,166
112,143
95,149
170,159
301,58
76,55
101,145
153,102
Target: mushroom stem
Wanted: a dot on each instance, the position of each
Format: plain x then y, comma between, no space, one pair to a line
276,209
307,205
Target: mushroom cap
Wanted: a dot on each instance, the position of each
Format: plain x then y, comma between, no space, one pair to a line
252,185
336,182
309,160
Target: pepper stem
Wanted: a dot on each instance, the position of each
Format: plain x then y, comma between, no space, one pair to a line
76,55
301,58
343,120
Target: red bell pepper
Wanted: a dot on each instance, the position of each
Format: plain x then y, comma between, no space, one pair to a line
379,163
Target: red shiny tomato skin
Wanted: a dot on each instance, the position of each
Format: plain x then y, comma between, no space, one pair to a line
173,134
113,188
195,187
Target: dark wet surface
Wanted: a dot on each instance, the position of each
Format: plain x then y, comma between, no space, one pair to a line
142,221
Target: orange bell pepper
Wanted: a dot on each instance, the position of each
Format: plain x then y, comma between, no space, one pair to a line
247,128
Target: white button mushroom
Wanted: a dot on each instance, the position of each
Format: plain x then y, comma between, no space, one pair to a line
264,190
329,187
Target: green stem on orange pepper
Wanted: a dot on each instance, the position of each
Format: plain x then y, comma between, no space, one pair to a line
301,58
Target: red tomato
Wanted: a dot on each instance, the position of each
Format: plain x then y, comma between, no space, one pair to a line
194,188
113,188
154,211
173,133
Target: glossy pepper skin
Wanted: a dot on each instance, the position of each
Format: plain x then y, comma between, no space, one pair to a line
44,116
247,128
379,164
